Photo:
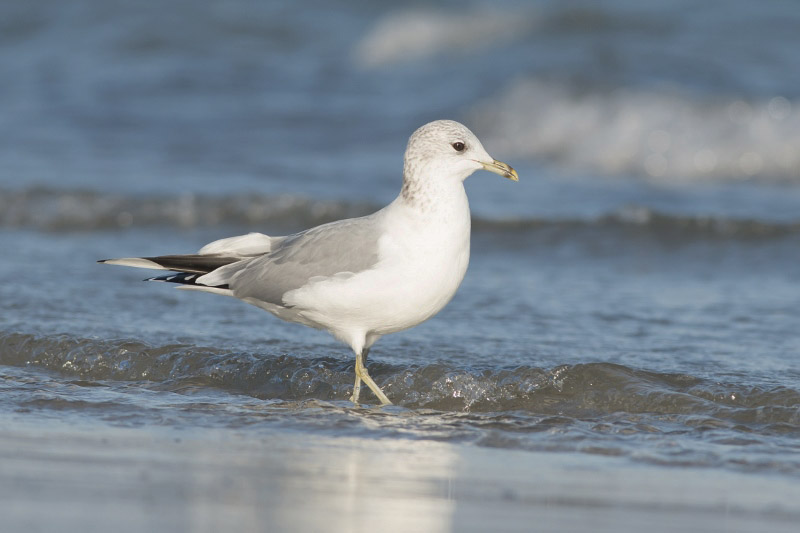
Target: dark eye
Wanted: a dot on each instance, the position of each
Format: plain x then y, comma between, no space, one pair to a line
458,146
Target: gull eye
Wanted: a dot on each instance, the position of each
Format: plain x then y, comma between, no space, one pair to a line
458,146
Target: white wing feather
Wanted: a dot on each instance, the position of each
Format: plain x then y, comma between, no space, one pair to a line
249,245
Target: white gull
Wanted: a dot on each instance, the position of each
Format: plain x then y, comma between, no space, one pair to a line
358,278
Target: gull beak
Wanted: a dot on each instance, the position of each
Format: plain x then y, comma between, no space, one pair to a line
498,167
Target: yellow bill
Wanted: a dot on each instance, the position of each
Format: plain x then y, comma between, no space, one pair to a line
498,167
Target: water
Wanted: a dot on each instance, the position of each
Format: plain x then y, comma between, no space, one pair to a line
626,334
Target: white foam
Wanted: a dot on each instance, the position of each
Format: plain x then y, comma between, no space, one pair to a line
418,33
660,134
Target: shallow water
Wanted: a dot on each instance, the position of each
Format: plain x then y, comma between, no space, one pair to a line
630,311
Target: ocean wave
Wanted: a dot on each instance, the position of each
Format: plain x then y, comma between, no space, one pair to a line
418,33
658,224
578,391
54,210
57,210
659,134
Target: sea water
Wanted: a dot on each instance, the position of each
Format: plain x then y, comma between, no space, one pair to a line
624,347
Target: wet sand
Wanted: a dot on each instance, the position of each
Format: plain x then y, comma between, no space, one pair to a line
99,478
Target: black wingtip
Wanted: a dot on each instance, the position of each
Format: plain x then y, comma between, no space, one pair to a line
102,260
184,278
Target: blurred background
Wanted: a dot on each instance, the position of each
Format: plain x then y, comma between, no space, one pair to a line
631,301
318,98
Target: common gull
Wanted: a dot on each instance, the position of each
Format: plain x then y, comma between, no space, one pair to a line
359,278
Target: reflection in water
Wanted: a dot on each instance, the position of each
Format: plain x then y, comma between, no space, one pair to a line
98,478
357,485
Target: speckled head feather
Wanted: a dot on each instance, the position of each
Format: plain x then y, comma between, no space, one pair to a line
441,150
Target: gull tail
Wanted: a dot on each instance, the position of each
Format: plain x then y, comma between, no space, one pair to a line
212,257
195,264
189,268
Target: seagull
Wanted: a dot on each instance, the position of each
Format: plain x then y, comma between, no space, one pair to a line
359,278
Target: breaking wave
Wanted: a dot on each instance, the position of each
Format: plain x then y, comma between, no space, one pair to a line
53,210
580,390
418,33
660,134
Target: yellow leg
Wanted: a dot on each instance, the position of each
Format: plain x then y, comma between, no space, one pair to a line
363,375
356,387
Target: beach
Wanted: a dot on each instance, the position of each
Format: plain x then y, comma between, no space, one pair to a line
159,480
622,355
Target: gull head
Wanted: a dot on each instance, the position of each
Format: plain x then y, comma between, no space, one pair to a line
446,149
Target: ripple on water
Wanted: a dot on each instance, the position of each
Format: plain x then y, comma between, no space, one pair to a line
597,408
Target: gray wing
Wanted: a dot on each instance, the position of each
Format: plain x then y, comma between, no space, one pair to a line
344,246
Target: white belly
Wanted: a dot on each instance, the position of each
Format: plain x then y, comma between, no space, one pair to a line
417,275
